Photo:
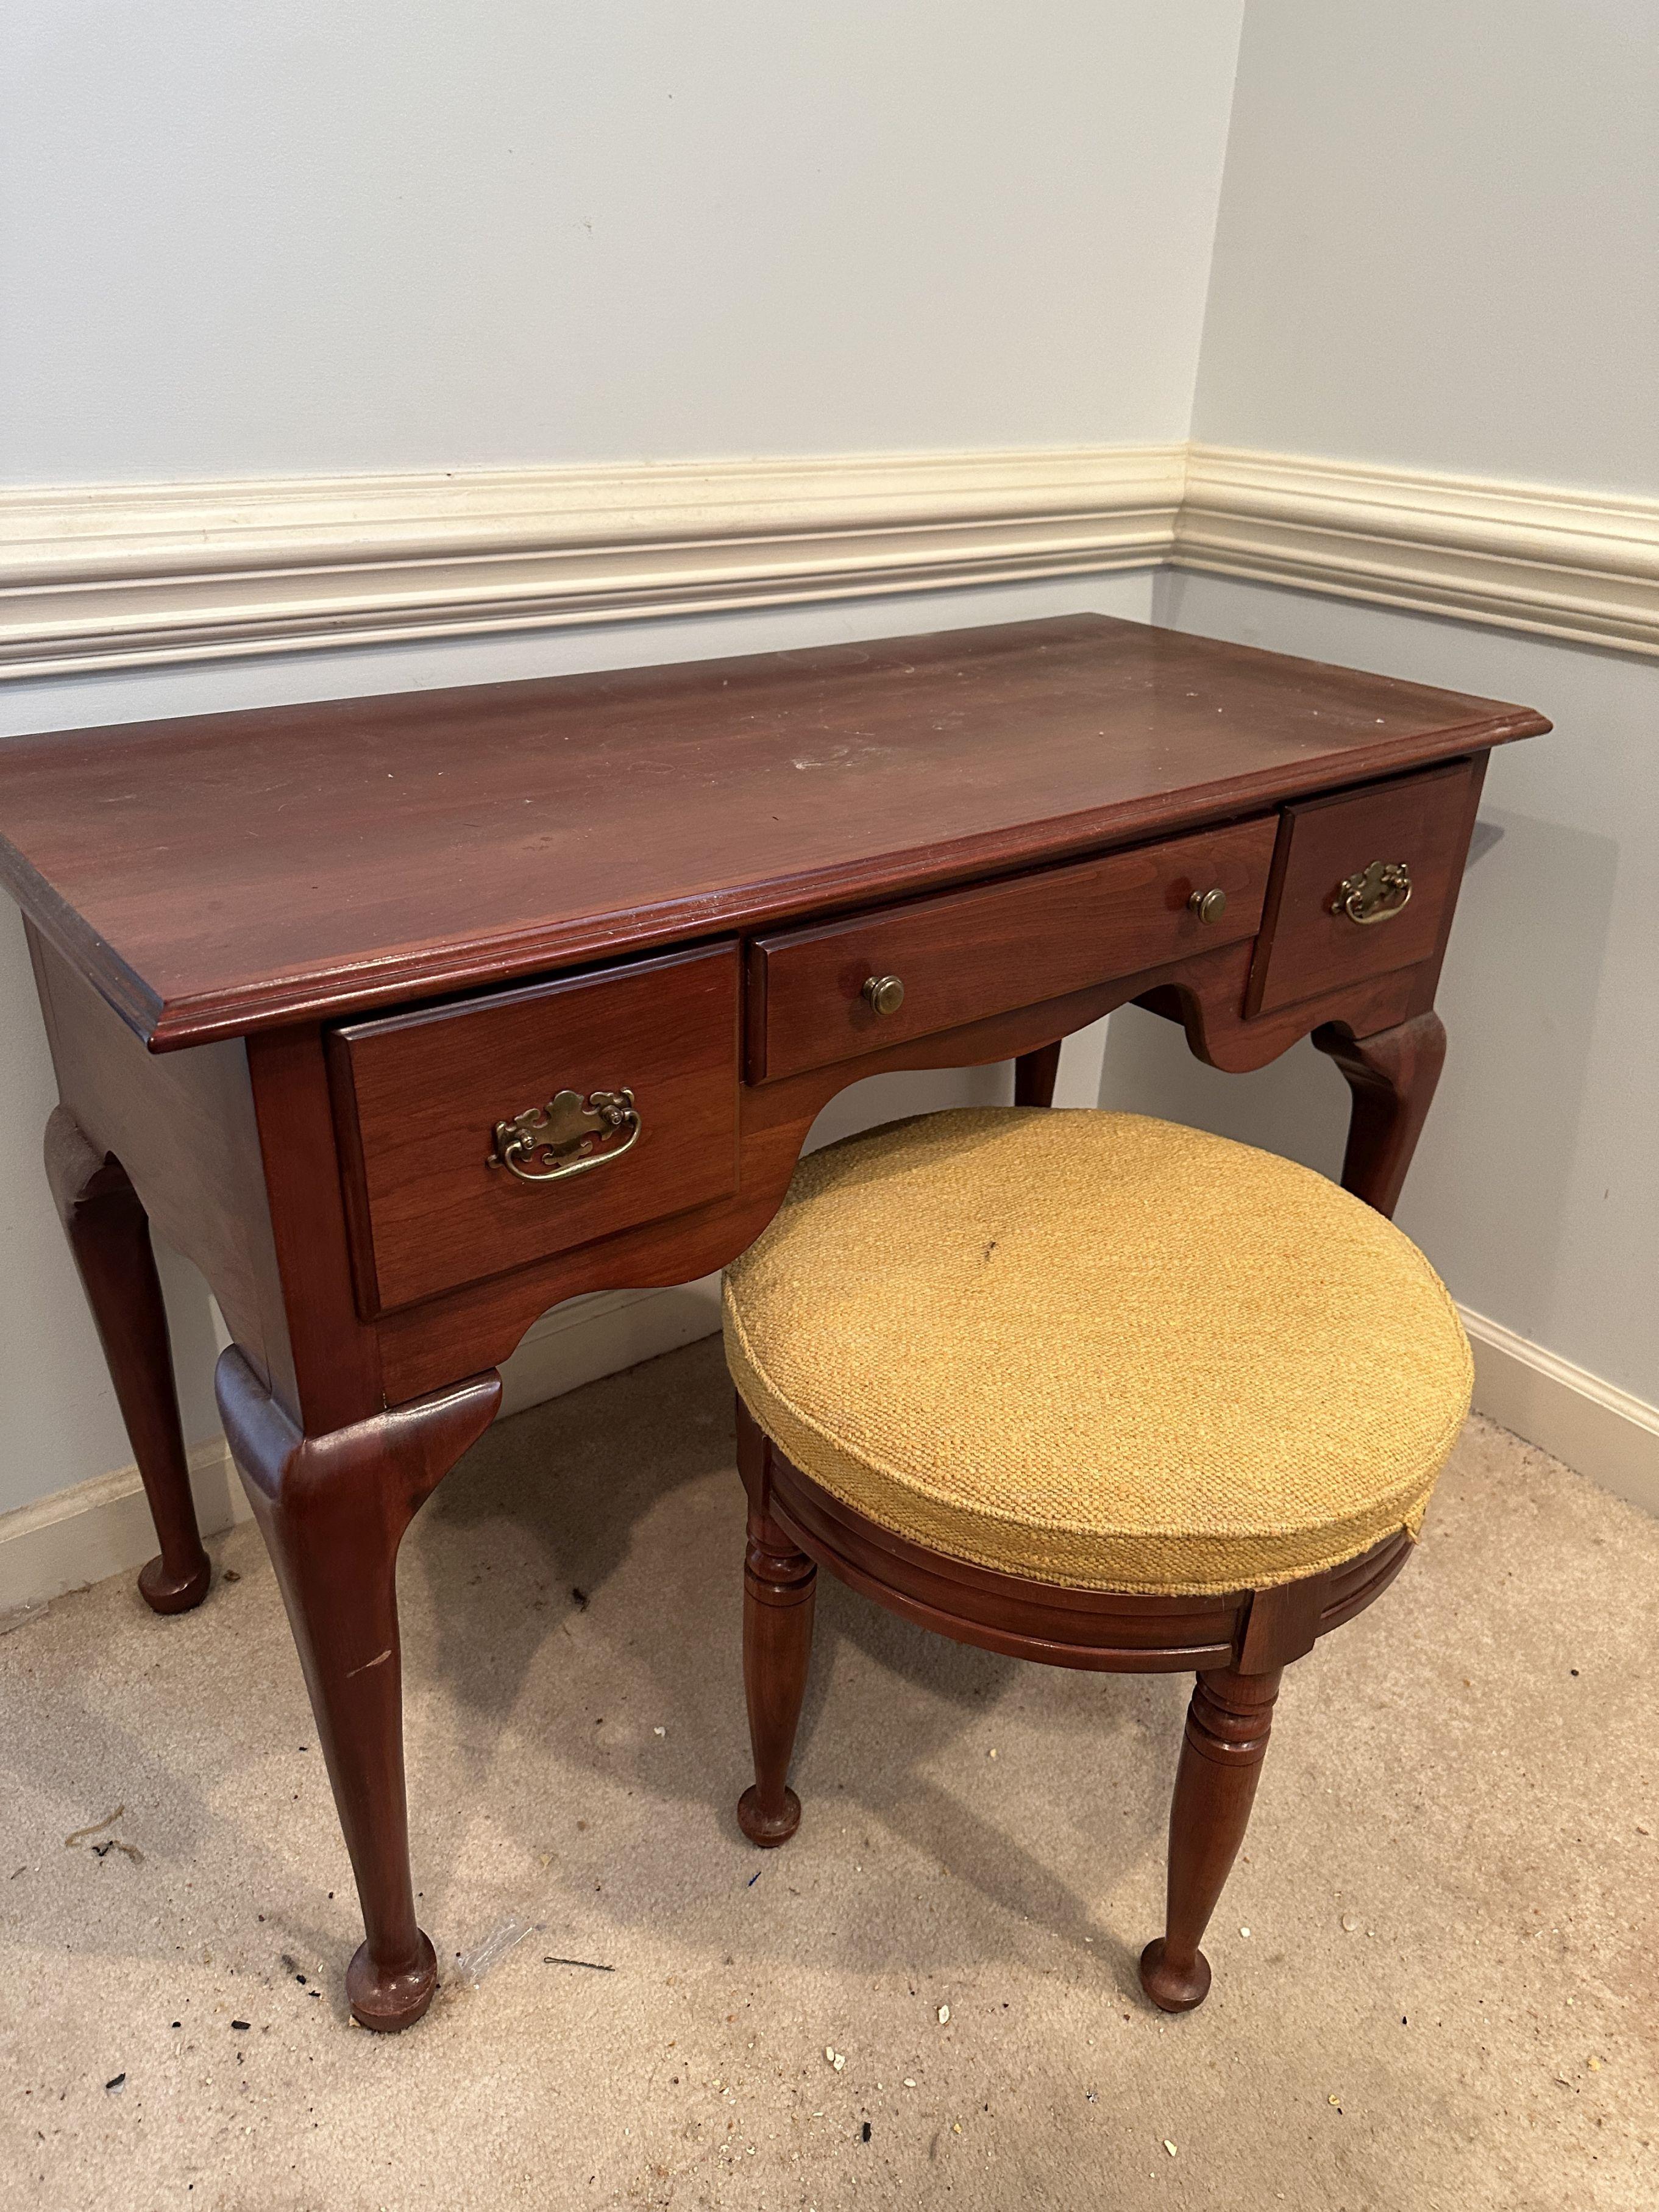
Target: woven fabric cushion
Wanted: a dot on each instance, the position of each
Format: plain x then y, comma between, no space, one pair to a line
1099,1350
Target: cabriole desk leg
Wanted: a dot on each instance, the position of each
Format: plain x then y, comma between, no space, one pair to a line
1035,1074
333,1510
108,1233
1391,1075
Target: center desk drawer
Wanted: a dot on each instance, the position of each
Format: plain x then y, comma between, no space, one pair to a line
970,954
418,1099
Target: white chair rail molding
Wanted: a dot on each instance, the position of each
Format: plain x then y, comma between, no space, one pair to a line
126,576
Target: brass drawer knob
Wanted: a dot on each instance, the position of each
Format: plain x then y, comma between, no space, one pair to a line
546,1144
1375,894
885,993
1209,906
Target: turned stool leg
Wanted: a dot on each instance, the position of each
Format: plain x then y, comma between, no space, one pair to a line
1227,1728
108,1233
779,1583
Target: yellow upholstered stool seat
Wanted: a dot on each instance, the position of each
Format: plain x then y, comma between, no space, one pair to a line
1098,1350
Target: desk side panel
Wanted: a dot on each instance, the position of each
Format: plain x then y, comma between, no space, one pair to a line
183,1128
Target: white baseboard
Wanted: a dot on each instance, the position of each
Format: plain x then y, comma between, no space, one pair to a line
1573,1415
600,1335
102,1527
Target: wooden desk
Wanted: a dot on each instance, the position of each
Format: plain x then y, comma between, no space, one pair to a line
316,978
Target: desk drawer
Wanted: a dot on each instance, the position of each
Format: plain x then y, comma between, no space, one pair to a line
1313,937
969,954
418,1097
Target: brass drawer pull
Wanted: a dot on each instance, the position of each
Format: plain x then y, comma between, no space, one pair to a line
885,993
565,1134
1209,906
1376,893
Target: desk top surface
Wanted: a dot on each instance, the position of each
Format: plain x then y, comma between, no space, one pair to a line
226,873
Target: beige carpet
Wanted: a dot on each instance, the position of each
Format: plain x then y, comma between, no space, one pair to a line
1446,1996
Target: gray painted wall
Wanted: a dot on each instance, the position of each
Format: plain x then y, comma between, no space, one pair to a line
302,239
1536,1190
1438,247
1438,244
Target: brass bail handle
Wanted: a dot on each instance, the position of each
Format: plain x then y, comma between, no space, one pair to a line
1378,893
566,1135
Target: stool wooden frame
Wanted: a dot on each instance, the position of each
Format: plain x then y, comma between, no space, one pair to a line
1238,1645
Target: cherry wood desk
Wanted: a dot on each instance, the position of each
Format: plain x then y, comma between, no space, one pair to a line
407,1017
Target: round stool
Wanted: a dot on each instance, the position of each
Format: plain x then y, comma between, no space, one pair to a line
1094,1389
